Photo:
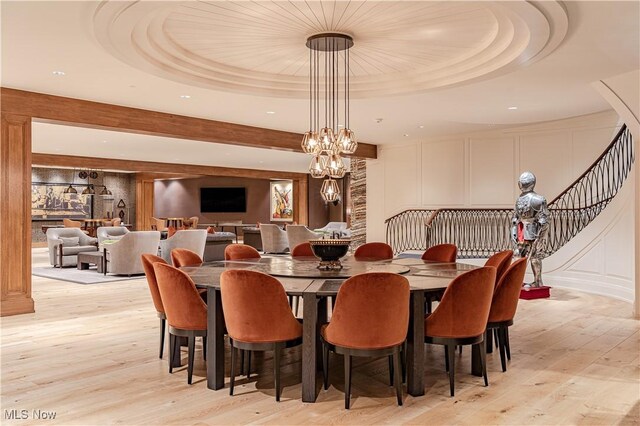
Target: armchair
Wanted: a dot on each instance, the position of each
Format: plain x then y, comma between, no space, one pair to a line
298,234
124,257
110,233
274,239
337,227
192,239
67,255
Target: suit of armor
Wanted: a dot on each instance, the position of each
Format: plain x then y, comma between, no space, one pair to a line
530,225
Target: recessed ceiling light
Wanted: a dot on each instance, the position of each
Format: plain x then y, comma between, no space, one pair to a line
185,96
104,141
378,120
512,108
420,127
271,112
406,134
59,73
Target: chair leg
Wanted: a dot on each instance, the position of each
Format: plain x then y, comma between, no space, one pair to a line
172,344
347,381
325,366
192,351
496,336
162,333
503,356
398,369
241,361
460,349
276,365
428,306
446,358
249,365
451,355
483,359
233,368
488,336
204,347
403,361
390,370
506,343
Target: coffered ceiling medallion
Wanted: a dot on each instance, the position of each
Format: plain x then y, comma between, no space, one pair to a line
259,47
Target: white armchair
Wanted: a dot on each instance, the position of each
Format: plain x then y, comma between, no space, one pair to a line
274,239
298,234
110,233
64,248
335,227
191,239
124,257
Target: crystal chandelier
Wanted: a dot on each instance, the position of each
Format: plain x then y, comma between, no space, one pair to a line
329,135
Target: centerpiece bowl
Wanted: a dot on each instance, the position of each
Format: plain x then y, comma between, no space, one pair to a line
330,251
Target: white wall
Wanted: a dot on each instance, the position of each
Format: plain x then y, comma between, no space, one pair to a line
481,170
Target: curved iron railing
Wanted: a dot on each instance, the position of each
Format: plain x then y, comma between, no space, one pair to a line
478,233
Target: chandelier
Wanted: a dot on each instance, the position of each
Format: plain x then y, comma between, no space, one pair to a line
329,135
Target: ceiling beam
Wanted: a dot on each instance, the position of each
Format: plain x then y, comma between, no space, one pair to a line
81,113
152,167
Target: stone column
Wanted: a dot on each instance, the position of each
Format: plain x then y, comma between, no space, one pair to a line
358,188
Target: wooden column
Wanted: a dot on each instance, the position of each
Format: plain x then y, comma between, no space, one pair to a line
144,202
15,215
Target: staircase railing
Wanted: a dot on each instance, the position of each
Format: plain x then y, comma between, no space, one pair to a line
478,233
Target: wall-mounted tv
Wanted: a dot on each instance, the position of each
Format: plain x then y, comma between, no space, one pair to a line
223,200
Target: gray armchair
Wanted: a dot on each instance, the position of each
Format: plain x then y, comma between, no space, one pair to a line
110,233
124,257
298,234
63,253
192,239
274,239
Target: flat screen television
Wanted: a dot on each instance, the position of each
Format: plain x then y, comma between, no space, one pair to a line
223,200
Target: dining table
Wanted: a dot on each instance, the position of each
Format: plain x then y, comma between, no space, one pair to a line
301,277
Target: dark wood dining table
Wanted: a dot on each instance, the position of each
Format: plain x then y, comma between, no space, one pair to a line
300,277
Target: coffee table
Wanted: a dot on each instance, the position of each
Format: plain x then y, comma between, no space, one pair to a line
91,258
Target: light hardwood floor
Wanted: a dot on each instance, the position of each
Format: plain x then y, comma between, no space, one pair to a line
89,353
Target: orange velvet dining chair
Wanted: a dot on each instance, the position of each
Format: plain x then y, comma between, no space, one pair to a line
379,300
147,263
441,253
185,257
374,251
258,317
504,306
461,317
303,250
186,312
240,252
501,262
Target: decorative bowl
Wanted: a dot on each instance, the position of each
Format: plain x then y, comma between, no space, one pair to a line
330,251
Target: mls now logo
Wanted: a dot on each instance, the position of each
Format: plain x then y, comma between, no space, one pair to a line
16,414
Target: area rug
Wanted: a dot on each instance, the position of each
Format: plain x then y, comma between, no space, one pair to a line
73,275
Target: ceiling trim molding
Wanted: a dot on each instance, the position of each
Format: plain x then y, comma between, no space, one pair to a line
165,169
83,113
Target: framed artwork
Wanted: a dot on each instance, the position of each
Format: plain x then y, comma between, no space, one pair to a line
282,201
49,202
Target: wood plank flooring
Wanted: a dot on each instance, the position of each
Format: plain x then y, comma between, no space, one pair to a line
89,354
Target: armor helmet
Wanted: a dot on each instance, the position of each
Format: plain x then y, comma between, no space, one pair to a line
527,182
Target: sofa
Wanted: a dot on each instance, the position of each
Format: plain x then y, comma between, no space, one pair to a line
64,249
110,233
191,239
215,245
274,239
298,234
123,257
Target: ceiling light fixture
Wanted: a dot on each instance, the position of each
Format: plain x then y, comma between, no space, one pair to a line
329,82
59,73
512,108
271,112
185,96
